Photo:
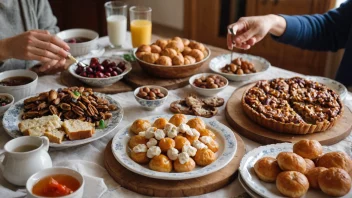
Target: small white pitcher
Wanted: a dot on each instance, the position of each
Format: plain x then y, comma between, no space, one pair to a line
17,167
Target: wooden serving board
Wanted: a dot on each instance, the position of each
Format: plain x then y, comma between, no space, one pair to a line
171,188
248,128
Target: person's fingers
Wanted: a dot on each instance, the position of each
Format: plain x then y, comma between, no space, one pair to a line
50,47
41,31
61,64
52,39
47,65
245,36
32,56
252,41
41,52
229,42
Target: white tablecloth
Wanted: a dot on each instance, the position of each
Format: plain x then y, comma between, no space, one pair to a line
93,152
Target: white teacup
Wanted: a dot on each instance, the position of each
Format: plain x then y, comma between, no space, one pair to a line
21,161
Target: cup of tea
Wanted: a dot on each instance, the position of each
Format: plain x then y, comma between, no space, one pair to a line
25,156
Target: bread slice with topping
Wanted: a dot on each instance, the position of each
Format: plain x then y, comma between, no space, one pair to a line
77,129
55,136
46,122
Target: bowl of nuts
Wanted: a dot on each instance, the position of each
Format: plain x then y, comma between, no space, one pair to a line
242,67
100,72
151,96
6,100
208,84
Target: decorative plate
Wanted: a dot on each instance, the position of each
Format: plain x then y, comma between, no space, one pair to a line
224,136
332,84
246,188
260,64
269,190
13,116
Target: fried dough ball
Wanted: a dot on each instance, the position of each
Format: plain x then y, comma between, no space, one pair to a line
160,123
155,49
140,54
168,52
267,169
180,141
135,140
187,51
178,60
186,167
176,45
166,143
191,139
335,182
312,176
150,57
161,163
189,60
204,157
197,54
140,158
178,119
196,123
336,159
161,43
185,42
140,125
164,60
207,132
144,48
310,149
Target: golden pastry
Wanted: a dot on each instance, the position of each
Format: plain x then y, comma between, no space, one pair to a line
185,42
335,182
207,132
178,119
140,125
187,51
186,167
310,149
267,169
140,54
140,158
196,123
205,52
161,43
155,49
168,52
336,159
176,45
166,143
196,45
210,143
192,44
176,38
204,157
289,161
180,141
144,48
178,59
197,54
135,140
150,57
309,165
191,139
189,60
292,183
312,176
160,123
161,163
164,60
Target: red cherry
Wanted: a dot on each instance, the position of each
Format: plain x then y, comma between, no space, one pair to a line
84,74
114,73
91,76
94,61
118,70
100,68
89,70
106,62
109,69
107,74
112,64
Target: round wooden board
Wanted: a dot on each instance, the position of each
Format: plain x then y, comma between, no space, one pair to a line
246,127
171,188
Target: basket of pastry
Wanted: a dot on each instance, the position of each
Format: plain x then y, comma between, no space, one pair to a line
174,58
64,115
174,146
294,105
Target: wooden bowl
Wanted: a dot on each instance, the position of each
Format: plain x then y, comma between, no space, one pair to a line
177,71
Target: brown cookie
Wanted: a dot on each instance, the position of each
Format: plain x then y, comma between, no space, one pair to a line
180,106
194,102
205,111
214,101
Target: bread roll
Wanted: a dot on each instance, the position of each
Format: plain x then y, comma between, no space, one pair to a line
310,149
289,161
185,42
309,165
155,49
292,183
178,59
176,45
267,169
336,159
312,176
197,54
150,57
144,48
335,182
164,60
189,60
168,52
161,43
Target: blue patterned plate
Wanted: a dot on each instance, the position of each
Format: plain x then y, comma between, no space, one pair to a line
269,190
13,116
224,136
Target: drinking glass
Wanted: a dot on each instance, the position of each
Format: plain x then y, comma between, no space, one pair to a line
116,17
141,25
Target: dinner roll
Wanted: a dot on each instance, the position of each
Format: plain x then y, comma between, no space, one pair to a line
312,176
267,169
292,183
309,165
309,149
335,182
336,159
289,161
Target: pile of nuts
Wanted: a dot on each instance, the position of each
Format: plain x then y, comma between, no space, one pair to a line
105,69
209,82
239,66
69,103
150,93
4,100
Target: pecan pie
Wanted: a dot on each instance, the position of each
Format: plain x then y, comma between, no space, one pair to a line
294,105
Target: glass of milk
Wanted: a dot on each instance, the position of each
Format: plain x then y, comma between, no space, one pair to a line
116,17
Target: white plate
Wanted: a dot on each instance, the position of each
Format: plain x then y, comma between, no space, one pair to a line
269,190
246,188
13,116
332,84
224,136
260,64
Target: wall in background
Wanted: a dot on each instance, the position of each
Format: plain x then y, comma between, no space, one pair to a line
165,12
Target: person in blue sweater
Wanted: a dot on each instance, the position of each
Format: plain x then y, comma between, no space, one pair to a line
324,32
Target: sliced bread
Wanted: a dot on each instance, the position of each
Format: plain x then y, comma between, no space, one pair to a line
50,122
55,136
77,129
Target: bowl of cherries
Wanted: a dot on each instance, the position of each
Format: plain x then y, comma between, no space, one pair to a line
100,72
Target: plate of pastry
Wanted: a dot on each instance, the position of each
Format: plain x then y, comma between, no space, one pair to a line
174,147
67,116
304,169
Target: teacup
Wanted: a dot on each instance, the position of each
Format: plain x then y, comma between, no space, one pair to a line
25,156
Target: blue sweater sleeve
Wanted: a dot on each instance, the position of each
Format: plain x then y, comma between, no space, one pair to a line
325,32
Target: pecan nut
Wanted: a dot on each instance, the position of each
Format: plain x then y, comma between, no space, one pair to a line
108,115
69,115
92,110
102,101
56,101
85,99
65,106
30,106
112,107
78,111
52,95
103,107
43,112
30,100
80,104
42,105
53,110
93,103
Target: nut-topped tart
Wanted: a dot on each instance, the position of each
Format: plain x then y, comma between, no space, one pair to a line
294,105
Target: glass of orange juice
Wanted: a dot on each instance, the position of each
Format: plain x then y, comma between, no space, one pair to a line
141,25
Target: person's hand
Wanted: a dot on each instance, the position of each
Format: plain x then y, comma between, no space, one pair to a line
250,30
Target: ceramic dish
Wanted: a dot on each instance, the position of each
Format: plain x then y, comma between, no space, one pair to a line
204,91
151,104
13,116
224,136
332,84
247,189
3,109
175,71
269,190
100,82
260,64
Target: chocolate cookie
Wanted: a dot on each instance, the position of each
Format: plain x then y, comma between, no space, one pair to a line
194,102
205,111
180,106
214,101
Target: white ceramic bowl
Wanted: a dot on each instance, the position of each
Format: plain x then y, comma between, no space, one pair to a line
151,104
79,49
54,171
4,108
20,91
100,82
207,92
260,64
